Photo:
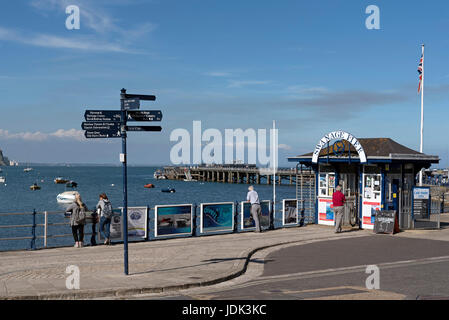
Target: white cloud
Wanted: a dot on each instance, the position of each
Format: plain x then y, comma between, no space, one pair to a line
217,74
71,134
284,147
243,83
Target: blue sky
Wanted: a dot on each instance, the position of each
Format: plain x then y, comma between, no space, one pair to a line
312,66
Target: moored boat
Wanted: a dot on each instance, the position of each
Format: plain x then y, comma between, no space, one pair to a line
66,197
35,187
27,169
149,186
71,184
60,180
168,190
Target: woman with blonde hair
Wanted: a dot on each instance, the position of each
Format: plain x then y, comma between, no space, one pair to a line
78,220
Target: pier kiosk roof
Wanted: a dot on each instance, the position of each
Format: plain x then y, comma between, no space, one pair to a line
376,150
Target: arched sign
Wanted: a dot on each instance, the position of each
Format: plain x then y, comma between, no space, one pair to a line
341,135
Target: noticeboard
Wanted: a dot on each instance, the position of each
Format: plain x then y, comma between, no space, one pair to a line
216,217
289,212
247,221
421,202
173,220
385,221
137,224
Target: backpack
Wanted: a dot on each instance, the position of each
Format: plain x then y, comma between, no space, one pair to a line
80,216
107,210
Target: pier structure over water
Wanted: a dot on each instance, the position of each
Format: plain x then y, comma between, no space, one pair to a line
231,174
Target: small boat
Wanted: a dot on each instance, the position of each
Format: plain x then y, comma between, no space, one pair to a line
169,190
149,186
2,179
66,197
158,175
27,169
60,180
71,184
35,187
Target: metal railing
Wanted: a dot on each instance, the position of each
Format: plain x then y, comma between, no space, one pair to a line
45,225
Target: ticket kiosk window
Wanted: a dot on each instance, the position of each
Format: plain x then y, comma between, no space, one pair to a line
327,184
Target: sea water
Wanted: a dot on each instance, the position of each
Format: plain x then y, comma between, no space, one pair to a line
16,196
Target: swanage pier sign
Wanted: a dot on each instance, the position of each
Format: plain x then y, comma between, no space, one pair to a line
340,135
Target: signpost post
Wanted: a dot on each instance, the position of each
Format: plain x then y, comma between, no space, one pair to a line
113,124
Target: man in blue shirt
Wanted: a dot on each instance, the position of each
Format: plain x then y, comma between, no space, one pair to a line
256,210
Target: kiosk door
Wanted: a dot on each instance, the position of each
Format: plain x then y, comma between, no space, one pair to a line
371,198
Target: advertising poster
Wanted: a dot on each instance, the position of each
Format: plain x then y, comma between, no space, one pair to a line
217,217
137,222
247,221
369,210
173,220
325,212
289,212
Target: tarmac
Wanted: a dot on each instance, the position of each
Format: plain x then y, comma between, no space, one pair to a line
155,266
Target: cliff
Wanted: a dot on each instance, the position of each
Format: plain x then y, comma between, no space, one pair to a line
3,160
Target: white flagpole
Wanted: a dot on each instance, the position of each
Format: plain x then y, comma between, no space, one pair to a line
422,114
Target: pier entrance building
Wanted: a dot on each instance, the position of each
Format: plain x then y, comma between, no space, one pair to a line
375,174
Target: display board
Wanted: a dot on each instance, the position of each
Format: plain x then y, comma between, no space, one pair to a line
137,224
173,220
115,228
385,221
247,221
215,217
289,212
421,202
325,212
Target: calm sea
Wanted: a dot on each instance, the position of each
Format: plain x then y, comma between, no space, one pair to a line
16,196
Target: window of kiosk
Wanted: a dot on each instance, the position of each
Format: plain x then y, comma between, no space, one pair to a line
372,187
326,184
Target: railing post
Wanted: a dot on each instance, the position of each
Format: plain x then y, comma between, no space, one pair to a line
236,214
33,231
194,220
45,228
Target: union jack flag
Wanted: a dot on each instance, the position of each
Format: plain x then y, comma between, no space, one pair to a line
420,72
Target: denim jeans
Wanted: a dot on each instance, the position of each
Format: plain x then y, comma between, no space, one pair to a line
105,225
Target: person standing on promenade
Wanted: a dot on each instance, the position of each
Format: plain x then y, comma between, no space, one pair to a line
78,220
105,208
256,210
338,201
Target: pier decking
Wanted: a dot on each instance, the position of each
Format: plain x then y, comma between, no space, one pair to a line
225,174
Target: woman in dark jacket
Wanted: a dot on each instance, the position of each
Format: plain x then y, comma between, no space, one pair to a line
78,220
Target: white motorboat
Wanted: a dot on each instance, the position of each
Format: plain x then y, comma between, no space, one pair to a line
66,197
27,169
2,179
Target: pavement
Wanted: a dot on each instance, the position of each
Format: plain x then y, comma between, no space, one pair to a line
160,266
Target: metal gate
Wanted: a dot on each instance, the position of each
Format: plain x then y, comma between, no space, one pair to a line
306,195
405,209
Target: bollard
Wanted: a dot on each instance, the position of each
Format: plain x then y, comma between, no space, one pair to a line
33,232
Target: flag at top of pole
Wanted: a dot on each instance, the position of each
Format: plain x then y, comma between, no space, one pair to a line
420,70
421,90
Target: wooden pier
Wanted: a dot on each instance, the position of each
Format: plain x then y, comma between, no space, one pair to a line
225,174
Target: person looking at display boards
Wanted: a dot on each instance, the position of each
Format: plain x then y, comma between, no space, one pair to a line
338,201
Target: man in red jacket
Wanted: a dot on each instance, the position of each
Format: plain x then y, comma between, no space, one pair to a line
338,201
